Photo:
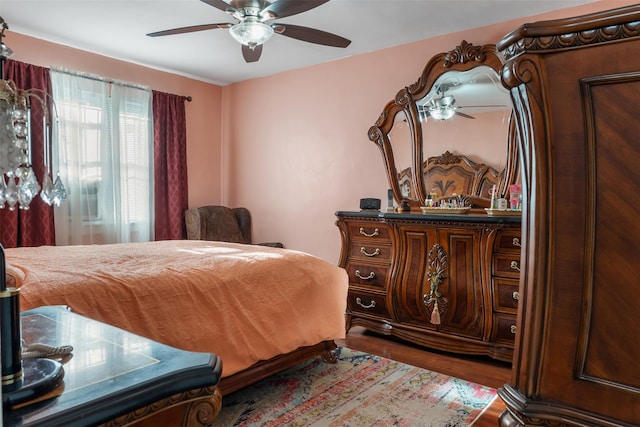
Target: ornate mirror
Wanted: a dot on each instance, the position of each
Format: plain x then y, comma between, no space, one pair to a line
455,120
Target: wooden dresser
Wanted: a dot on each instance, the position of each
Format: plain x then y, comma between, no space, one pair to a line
576,89
448,282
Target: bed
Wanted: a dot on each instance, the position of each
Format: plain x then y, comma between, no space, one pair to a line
260,309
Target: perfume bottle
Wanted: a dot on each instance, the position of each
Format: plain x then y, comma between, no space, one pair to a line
494,199
502,203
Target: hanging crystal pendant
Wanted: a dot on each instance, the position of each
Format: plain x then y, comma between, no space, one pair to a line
59,193
11,194
3,191
47,189
28,187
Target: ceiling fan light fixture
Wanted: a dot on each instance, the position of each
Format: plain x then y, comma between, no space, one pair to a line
442,113
442,108
251,33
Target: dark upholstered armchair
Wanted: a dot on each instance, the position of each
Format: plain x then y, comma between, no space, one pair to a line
222,224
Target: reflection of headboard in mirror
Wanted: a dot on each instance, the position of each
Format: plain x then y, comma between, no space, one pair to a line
451,174
454,174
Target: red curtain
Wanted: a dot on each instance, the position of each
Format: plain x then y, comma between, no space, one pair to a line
32,227
170,165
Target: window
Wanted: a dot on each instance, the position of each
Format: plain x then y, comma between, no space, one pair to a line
106,158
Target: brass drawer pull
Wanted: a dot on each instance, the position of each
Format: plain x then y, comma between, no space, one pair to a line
372,304
370,254
515,266
516,295
369,277
514,329
374,234
516,242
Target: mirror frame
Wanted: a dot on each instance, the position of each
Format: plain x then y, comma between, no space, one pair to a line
464,57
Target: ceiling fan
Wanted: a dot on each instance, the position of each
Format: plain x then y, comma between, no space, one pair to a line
254,28
444,108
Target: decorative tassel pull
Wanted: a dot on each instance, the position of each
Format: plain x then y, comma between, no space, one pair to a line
435,314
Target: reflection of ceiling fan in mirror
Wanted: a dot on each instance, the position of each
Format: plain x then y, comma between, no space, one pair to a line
443,107
253,28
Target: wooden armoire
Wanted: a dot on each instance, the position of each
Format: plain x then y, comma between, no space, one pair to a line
576,90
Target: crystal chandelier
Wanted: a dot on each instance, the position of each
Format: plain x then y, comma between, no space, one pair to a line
18,183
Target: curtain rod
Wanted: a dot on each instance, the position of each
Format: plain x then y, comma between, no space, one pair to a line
105,79
99,78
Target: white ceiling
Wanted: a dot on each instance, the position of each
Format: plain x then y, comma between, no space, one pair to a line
118,28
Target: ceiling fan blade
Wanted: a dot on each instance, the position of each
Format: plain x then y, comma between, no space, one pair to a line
484,106
190,29
312,35
251,55
219,4
464,115
283,8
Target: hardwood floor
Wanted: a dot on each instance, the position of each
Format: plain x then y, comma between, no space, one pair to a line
481,370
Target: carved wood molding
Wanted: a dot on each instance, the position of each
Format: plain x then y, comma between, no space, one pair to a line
434,300
603,27
523,412
202,412
464,53
448,158
204,405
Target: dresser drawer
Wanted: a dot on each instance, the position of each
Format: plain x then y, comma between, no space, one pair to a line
508,241
359,301
505,294
367,275
504,328
377,253
506,265
367,230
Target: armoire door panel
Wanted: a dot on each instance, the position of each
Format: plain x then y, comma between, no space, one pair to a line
589,272
612,284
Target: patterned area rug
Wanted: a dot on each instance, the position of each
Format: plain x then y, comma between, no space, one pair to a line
360,390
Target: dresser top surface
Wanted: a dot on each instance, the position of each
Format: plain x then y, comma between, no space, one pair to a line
472,217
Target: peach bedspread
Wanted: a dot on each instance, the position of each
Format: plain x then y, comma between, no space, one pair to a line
244,303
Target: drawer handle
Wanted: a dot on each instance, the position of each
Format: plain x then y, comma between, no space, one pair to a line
516,295
514,329
516,242
369,277
372,304
364,233
515,266
370,254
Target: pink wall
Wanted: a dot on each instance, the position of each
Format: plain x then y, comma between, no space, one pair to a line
203,112
297,141
293,147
